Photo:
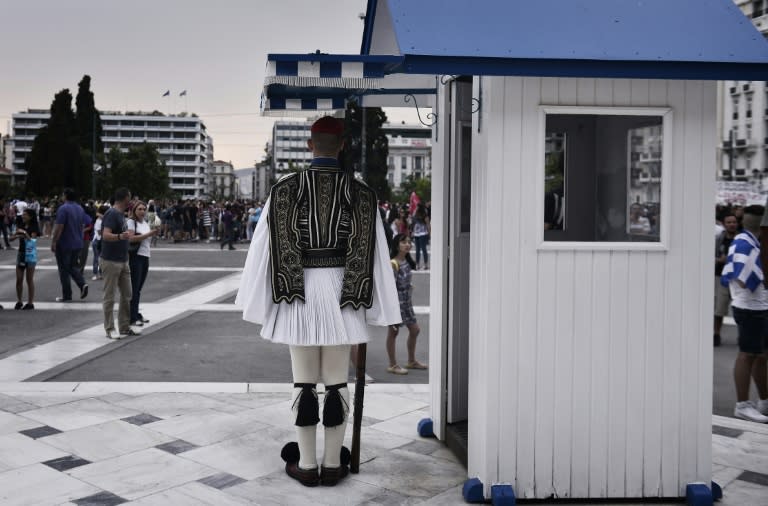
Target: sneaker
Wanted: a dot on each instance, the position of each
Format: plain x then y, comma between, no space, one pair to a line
762,406
18,305
62,299
396,369
95,277
129,333
746,411
138,323
111,334
28,306
84,291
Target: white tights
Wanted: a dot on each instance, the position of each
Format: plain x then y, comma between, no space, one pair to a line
313,364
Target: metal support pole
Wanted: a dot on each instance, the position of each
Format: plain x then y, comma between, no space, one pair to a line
93,155
731,168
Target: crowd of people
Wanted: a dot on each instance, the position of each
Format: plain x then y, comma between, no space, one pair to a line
740,284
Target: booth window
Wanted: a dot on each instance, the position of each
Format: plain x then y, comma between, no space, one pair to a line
602,177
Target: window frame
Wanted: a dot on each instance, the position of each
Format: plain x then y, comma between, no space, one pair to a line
666,115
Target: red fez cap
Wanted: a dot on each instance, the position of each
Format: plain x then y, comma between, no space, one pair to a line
328,125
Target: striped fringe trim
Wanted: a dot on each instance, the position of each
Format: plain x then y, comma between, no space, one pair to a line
327,82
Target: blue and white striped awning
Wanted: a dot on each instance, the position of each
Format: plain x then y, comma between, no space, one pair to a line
301,84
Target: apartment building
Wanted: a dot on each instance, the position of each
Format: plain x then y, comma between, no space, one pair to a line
182,141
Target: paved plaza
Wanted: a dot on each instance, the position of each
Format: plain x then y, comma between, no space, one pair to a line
193,411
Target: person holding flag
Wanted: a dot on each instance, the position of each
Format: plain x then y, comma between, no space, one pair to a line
317,274
744,276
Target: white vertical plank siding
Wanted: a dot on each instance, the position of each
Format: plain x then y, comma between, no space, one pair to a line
693,279
545,387
599,380
527,327
635,337
706,293
438,287
617,373
562,372
583,336
590,371
485,290
673,323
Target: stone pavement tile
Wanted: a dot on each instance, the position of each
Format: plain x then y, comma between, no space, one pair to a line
451,497
412,474
726,431
277,414
13,405
735,423
739,453
191,494
423,447
221,481
169,404
385,406
446,454
114,397
742,493
403,425
141,419
17,450
40,432
141,473
756,478
206,427
100,499
65,463
10,423
250,400
106,440
376,438
277,489
176,447
45,399
78,414
251,456
724,475
40,485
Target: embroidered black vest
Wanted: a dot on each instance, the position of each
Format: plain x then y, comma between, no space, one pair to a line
322,217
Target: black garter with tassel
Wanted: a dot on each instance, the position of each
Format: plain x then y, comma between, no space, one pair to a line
334,406
309,409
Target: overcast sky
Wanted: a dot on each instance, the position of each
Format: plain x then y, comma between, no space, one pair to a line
134,51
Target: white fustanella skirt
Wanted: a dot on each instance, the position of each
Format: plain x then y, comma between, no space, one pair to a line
318,321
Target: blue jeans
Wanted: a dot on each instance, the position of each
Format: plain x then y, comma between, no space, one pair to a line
67,262
421,246
139,266
96,246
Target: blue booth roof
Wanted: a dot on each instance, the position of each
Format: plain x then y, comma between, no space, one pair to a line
675,39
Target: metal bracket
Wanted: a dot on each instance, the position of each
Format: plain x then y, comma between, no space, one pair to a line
430,116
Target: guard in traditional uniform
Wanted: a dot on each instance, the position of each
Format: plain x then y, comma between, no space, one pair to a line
317,274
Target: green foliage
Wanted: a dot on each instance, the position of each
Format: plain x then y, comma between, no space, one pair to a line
422,187
62,151
377,146
55,161
140,170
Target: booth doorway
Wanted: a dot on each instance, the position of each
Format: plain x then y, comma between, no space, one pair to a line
458,198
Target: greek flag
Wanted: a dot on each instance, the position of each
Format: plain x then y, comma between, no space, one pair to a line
743,262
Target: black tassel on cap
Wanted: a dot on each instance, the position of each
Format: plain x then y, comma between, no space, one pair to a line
309,409
333,408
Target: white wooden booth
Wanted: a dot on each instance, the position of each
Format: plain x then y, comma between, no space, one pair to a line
573,173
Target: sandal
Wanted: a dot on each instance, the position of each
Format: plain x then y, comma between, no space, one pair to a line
396,369
415,365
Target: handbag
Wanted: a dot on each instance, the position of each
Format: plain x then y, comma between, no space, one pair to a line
30,251
133,247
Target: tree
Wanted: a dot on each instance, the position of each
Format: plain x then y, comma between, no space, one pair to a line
422,187
55,161
377,146
140,170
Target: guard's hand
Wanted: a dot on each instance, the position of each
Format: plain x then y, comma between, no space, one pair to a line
53,246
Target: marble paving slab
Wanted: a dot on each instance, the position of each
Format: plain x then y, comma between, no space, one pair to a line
251,456
17,450
106,440
738,453
191,494
78,414
40,485
404,425
384,406
170,404
206,427
141,473
10,423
